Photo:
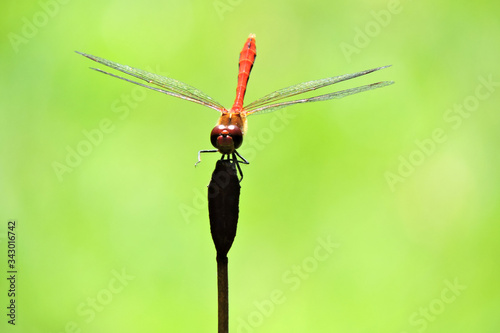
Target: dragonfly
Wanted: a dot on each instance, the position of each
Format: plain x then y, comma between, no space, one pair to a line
227,135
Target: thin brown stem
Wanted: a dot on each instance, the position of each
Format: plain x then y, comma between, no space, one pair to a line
223,294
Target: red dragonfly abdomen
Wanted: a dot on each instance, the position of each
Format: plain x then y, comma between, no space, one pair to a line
247,58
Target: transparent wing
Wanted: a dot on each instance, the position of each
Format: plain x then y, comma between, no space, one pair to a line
267,104
337,94
168,86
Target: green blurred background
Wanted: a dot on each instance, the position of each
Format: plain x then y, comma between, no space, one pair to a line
402,182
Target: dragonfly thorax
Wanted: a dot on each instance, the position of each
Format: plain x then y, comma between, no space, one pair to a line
226,138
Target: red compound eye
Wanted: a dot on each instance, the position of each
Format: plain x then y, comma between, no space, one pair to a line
226,138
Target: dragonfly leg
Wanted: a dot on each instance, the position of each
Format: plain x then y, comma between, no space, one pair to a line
237,162
233,157
243,160
204,151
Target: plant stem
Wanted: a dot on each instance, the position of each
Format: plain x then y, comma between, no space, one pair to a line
223,294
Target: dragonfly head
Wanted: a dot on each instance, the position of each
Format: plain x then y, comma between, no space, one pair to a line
226,138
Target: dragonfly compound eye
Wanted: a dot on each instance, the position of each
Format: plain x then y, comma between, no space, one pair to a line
226,138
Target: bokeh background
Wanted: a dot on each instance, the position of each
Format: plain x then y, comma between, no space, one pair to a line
374,213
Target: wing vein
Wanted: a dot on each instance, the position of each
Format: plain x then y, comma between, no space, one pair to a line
169,86
303,88
336,95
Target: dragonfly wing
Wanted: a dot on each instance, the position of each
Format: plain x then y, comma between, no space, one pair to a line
170,93
337,94
305,87
175,87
